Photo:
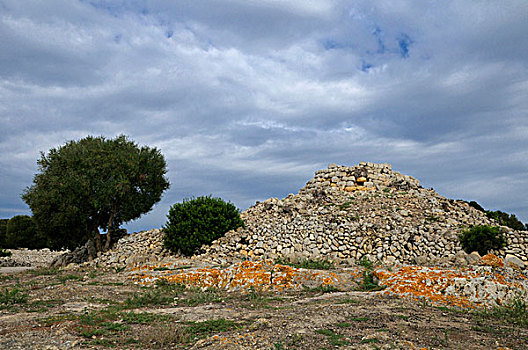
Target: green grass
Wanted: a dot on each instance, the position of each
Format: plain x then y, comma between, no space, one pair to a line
360,319
44,271
197,296
324,288
514,313
210,327
13,296
69,277
348,301
369,284
345,205
366,263
343,324
370,341
150,297
403,317
332,337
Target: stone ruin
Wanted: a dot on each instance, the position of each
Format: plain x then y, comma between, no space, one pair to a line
362,211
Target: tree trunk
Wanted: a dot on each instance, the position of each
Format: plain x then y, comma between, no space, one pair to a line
98,245
110,221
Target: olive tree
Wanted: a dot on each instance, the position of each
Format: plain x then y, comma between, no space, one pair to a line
94,184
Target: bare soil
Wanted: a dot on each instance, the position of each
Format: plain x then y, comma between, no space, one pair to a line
95,309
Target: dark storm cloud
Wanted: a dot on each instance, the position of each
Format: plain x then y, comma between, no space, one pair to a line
247,99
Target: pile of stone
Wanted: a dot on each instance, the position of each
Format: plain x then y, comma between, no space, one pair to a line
29,258
136,249
367,210
343,214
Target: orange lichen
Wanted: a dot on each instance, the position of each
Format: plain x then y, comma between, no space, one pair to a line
491,260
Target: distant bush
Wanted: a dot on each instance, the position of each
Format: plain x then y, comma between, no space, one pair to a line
3,229
476,206
22,232
502,218
199,221
506,219
482,239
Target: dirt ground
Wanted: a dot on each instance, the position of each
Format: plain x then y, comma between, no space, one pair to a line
94,309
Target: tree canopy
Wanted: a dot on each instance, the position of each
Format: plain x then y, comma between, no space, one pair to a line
91,184
21,232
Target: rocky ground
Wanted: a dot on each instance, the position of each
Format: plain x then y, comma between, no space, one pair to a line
94,308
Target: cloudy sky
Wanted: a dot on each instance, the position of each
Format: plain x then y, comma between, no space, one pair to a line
247,98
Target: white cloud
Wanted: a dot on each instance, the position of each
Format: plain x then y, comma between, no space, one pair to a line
248,98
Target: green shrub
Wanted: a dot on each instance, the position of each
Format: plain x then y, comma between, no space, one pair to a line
482,239
506,219
4,253
22,232
199,221
3,229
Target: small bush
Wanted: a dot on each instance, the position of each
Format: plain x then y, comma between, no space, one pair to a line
21,232
4,253
12,296
3,229
506,219
482,239
199,221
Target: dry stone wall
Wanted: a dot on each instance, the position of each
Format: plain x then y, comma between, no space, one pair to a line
366,210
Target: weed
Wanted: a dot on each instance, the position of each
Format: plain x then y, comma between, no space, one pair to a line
345,205
360,319
344,324
516,313
44,271
210,326
69,277
198,296
348,301
403,317
369,283
366,263
119,269
142,318
333,338
278,346
151,297
12,296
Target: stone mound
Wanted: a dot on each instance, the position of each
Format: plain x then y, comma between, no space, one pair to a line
367,210
29,257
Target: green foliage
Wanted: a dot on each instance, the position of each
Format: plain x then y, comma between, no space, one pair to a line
332,337
4,253
506,219
502,218
476,206
370,283
21,232
199,221
482,239
91,184
12,296
3,230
